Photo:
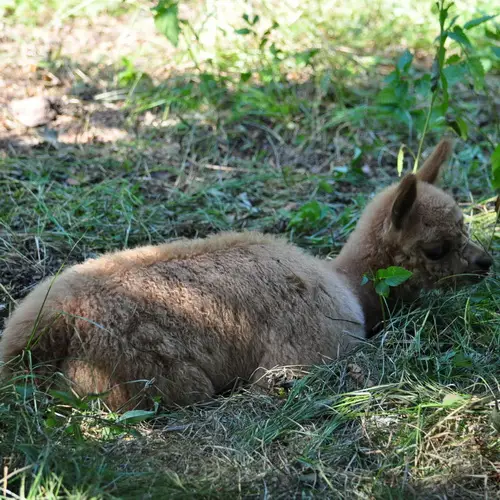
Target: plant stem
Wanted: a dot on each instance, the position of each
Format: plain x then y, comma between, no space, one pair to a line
440,62
424,132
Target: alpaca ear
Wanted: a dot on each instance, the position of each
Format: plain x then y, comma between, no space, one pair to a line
406,194
429,171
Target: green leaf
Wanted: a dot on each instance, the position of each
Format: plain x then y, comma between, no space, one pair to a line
135,416
455,73
460,127
394,275
31,451
493,35
305,56
75,431
365,280
464,129
324,186
404,62
52,422
496,52
443,13
387,96
476,22
166,19
357,157
25,391
243,31
69,398
250,22
244,77
382,288
308,215
401,155
495,167
461,360
453,59
459,36
453,21
423,85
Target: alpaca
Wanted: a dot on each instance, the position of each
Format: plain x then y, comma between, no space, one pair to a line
184,320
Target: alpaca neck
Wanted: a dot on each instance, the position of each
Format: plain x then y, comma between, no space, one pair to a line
354,261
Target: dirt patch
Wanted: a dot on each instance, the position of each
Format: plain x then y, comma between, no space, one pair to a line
54,60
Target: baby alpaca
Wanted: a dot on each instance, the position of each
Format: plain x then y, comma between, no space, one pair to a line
184,320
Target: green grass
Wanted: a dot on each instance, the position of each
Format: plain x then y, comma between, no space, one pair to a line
233,134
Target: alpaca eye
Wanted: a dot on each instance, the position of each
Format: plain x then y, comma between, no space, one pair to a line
438,251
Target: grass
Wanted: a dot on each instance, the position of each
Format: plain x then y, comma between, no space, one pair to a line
293,135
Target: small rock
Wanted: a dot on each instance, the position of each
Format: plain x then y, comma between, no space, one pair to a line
34,111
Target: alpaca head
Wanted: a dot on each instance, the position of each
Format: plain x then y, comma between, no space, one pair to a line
416,225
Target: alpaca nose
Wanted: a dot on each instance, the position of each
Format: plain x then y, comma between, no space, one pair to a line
484,262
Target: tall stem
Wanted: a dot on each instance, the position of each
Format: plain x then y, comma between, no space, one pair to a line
424,132
435,90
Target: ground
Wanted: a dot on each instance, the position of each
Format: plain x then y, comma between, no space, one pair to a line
246,125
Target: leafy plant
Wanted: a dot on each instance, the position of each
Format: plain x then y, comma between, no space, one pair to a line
399,98
166,17
309,216
263,40
135,416
385,279
131,76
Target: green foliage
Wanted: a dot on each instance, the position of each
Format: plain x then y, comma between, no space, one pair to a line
400,97
309,217
396,97
130,76
166,17
385,279
135,416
